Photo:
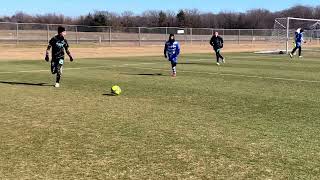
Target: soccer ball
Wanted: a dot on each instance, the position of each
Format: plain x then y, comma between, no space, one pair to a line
116,90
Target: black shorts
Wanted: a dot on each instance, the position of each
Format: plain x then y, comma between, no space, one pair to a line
217,50
57,66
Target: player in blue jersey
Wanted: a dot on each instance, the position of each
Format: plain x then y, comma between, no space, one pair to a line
298,42
171,52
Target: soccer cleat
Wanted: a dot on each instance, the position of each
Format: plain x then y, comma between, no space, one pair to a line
224,60
291,55
174,74
57,85
300,56
218,64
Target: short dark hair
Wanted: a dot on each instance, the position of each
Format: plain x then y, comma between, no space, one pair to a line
61,29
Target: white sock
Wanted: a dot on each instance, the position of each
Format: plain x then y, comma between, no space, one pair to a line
174,69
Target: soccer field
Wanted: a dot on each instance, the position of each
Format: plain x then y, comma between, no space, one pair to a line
255,117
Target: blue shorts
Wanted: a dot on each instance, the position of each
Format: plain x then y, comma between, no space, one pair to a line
298,44
173,59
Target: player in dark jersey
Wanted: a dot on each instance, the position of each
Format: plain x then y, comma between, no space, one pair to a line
59,45
217,43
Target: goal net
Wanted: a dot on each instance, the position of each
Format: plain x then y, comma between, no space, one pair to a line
284,33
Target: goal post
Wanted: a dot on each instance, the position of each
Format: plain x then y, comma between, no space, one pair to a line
284,28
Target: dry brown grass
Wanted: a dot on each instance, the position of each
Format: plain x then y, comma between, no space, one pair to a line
28,52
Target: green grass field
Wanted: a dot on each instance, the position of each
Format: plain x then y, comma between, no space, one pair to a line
256,117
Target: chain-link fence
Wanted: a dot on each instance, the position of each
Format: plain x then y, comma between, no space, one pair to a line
15,33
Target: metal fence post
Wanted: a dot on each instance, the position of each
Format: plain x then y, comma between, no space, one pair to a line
17,34
165,38
110,36
239,36
223,32
185,36
139,36
48,33
77,35
191,36
252,33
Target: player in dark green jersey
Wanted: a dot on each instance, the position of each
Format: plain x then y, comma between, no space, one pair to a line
59,46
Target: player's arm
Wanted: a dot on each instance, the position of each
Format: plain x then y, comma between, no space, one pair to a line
302,39
221,40
66,47
178,49
69,54
211,42
47,52
165,51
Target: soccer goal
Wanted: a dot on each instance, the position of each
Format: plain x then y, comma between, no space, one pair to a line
284,29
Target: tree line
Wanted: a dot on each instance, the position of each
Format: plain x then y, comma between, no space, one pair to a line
251,19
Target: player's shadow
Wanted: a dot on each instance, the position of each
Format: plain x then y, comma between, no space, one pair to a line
24,83
197,63
150,74
147,74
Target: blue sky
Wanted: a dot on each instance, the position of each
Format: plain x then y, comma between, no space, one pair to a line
81,7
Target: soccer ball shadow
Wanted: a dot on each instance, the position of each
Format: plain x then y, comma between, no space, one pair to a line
109,94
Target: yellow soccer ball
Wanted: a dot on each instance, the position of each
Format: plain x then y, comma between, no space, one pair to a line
116,90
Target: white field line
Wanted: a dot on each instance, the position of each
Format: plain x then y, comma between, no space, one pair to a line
185,71
238,75
213,59
79,68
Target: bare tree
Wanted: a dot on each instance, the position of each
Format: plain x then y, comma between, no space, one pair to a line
152,18
255,18
163,21
193,18
127,19
181,18
316,12
171,18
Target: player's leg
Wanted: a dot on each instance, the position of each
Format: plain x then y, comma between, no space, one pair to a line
300,50
59,74
54,70
53,67
220,56
217,56
293,51
59,68
174,68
